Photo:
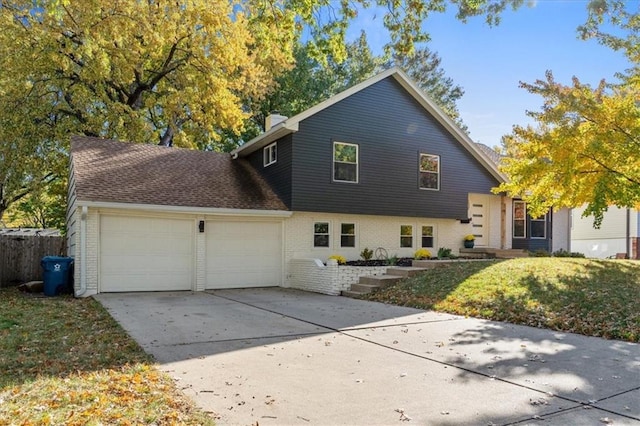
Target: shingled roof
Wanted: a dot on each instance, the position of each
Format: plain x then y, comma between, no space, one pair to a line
495,156
111,171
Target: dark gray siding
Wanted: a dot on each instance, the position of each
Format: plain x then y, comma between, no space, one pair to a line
391,129
278,175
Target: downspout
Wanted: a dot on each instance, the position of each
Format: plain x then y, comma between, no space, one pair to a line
628,239
83,252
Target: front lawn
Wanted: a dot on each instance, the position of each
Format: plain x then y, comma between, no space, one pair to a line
66,361
591,297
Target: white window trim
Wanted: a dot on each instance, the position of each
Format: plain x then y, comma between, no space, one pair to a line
434,236
420,171
333,162
267,159
513,220
313,235
355,235
413,236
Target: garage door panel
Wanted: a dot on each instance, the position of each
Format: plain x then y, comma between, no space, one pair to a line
146,254
243,254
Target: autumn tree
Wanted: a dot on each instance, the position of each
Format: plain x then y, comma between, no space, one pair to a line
585,145
167,72
312,81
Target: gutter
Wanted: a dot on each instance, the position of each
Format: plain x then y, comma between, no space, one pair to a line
209,211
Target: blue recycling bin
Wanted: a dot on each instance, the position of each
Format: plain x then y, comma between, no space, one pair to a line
56,274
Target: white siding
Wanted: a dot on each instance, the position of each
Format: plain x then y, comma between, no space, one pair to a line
73,215
609,239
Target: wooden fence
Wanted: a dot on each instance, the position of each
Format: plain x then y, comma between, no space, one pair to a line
20,256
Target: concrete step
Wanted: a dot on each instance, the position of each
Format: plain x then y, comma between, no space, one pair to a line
511,254
379,280
493,253
478,253
364,288
405,271
430,264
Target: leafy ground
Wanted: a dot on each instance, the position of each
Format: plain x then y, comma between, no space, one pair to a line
66,361
591,297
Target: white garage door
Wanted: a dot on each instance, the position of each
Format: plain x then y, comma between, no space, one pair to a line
145,254
243,254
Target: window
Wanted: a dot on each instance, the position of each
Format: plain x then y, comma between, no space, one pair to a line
429,171
348,235
539,227
345,162
270,154
406,236
427,236
519,219
321,234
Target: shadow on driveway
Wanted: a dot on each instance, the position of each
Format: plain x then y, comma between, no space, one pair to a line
279,356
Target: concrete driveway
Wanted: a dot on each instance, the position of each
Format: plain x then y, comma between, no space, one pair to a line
285,357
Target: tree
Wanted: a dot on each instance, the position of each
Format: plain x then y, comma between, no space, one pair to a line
424,68
168,72
585,146
312,81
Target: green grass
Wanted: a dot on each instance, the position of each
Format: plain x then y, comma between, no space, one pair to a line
66,361
591,297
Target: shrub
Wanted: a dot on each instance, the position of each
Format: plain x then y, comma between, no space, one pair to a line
541,253
366,254
422,254
565,253
469,237
444,252
341,260
392,260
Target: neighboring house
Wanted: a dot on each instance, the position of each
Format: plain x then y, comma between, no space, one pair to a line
617,235
376,166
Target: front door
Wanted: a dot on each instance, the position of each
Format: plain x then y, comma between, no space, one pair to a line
479,214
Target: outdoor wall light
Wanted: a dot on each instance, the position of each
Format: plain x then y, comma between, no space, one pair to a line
467,220
201,226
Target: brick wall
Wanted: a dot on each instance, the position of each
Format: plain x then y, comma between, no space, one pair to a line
313,275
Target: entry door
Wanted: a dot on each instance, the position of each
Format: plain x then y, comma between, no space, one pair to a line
479,211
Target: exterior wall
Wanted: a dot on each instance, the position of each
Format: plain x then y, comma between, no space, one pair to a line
391,129
92,251
371,232
609,239
561,230
201,258
72,215
278,175
313,275
529,243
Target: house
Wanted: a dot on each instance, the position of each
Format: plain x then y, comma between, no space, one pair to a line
618,234
548,233
376,166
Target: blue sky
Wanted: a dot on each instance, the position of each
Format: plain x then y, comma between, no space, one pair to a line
489,62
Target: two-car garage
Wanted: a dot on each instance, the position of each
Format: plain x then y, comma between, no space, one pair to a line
155,253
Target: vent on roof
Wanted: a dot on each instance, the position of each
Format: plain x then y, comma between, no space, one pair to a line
273,119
